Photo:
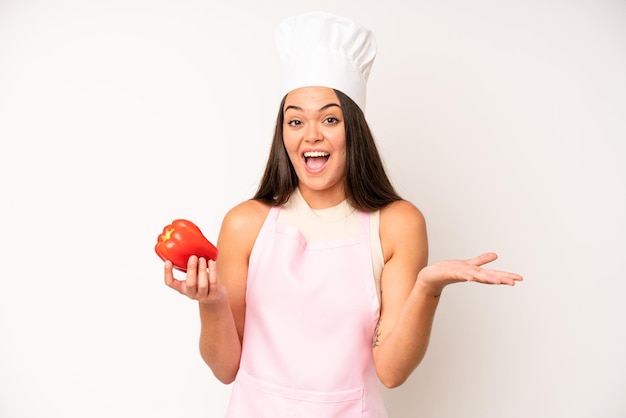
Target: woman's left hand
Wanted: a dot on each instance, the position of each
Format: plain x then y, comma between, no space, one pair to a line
438,275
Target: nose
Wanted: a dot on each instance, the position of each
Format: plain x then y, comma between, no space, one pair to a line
313,133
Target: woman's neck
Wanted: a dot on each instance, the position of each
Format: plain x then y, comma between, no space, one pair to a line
322,199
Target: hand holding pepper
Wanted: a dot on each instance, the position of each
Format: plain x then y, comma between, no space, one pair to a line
200,282
183,247
182,239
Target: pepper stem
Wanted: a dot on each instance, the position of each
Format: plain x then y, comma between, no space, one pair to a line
168,234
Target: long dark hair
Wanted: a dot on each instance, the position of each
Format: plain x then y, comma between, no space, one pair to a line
367,185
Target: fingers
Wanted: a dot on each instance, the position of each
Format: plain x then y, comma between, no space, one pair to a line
196,283
489,276
507,276
197,278
212,273
203,278
191,278
483,259
168,270
496,277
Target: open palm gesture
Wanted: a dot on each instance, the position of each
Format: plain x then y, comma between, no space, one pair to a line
443,273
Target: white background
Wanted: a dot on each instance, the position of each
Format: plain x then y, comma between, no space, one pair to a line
504,121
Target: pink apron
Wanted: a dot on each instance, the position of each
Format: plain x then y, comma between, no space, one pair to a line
311,310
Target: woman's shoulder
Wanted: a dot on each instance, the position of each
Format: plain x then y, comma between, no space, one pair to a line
402,227
246,218
241,225
247,214
401,211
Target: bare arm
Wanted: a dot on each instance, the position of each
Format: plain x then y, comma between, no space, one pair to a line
411,291
222,302
404,327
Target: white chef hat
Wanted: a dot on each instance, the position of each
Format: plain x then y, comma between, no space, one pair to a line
321,49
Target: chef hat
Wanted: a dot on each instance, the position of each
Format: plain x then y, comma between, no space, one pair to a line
321,49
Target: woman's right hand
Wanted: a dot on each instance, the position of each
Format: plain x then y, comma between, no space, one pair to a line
200,281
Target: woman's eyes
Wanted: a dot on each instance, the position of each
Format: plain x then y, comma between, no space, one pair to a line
331,120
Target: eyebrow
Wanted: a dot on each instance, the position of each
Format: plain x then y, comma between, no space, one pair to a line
297,108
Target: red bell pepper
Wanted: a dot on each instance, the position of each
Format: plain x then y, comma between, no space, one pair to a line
182,239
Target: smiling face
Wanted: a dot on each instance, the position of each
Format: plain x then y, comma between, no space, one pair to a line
315,140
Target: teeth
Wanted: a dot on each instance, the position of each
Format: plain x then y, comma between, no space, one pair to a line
316,154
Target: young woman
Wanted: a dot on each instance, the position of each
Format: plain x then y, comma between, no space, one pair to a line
322,289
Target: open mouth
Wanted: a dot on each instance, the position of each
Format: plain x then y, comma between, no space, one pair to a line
315,159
